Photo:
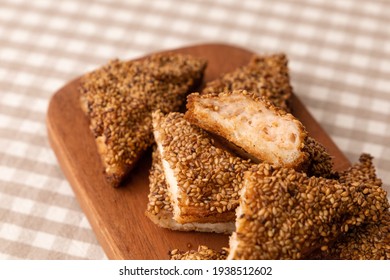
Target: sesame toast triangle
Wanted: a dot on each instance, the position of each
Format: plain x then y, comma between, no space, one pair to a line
262,131
202,179
265,76
160,209
118,100
284,214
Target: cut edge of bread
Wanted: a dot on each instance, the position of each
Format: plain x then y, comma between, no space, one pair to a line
260,129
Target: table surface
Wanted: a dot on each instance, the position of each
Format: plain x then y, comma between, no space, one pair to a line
339,59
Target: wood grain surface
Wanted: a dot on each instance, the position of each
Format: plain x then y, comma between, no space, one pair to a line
117,215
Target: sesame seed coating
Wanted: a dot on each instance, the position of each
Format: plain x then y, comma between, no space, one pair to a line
208,177
371,241
320,163
363,171
266,76
203,253
118,100
284,214
159,200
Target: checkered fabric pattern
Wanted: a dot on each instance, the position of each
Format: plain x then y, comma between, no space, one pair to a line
339,55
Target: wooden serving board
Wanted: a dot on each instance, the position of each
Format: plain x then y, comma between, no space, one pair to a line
117,214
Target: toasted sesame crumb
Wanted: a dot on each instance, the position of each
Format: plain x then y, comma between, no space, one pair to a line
203,253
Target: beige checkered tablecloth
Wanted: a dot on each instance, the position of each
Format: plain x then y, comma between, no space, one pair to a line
339,55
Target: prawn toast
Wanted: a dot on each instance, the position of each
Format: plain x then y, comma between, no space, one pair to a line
203,180
265,76
284,214
252,123
118,100
370,241
160,210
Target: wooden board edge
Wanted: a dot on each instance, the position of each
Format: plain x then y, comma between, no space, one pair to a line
87,206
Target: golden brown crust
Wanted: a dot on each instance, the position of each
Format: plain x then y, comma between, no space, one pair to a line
265,76
118,100
284,214
252,123
207,177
